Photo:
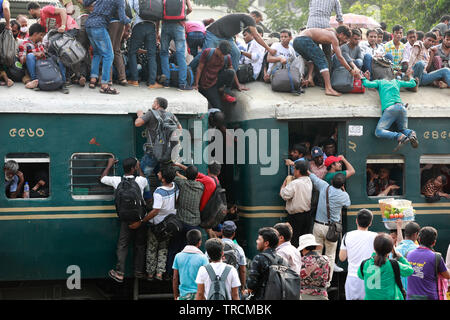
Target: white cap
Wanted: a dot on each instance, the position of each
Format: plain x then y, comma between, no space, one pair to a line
306,240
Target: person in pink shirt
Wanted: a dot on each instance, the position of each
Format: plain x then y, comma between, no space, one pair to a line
196,34
52,17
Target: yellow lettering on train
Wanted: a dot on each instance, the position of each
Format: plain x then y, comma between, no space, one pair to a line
352,145
40,132
22,132
30,132
13,132
426,135
435,135
444,135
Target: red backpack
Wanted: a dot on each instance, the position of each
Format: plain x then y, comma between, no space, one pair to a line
174,10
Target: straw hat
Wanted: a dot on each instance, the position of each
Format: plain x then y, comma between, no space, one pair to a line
306,240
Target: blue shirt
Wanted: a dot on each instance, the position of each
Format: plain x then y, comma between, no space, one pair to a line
404,247
187,265
103,12
1,9
336,197
12,185
291,169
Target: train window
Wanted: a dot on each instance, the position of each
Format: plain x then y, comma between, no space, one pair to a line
86,169
385,176
24,170
435,177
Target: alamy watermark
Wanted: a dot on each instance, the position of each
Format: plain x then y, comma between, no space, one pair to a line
74,280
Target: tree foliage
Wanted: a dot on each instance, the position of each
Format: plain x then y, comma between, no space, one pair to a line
232,5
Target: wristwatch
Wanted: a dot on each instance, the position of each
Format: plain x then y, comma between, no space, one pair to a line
63,26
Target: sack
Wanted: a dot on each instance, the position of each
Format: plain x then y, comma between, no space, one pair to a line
285,80
196,61
168,228
68,49
342,80
283,283
231,255
218,289
130,206
358,86
16,72
48,74
8,48
335,228
151,9
215,209
382,69
245,73
174,10
161,146
174,81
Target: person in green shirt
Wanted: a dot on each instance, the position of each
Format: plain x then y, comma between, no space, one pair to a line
378,273
334,166
393,110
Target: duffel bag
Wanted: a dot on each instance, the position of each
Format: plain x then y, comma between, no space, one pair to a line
342,80
283,80
7,47
168,228
382,69
66,48
245,73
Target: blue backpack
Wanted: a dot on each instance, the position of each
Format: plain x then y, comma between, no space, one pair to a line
194,63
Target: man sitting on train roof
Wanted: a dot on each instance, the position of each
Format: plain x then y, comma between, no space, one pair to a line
13,179
334,166
380,183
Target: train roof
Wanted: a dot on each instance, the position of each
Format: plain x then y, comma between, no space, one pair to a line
260,102
17,99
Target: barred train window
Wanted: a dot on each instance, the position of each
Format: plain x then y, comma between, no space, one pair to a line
385,176
34,167
435,177
86,169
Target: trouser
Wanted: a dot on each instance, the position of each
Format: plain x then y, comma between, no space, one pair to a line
428,78
173,31
394,114
354,288
320,233
31,67
300,223
367,62
150,165
212,41
125,237
144,32
326,48
83,68
195,40
103,51
176,245
156,254
310,51
225,79
115,30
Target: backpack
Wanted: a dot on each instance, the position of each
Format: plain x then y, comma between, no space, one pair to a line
342,80
48,74
231,255
245,73
151,9
130,206
66,48
396,268
16,72
218,290
174,10
382,69
285,79
161,146
283,283
215,209
196,61
174,71
8,48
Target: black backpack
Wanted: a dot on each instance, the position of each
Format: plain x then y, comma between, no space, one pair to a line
231,255
161,146
151,9
174,10
245,73
66,47
215,209
130,205
8,47
17,71
48,74
282,283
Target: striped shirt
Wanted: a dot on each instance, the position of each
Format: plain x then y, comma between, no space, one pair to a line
389,47
29,46
320,13
188,206
164,200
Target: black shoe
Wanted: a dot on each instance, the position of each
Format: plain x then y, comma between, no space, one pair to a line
65,89
401,143
413,140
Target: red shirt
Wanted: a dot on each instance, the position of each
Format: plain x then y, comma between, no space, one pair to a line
211,68
50,20
210,187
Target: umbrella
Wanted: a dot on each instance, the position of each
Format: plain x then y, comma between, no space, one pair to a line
356,21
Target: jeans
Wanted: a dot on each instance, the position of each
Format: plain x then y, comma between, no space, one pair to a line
31,67
194,40
394,114
126,235
212,41
144,32
367,62
224,78
335,63
149,165
103,50
173,31
428,78
310,51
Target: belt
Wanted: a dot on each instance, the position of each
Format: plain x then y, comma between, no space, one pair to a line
322,223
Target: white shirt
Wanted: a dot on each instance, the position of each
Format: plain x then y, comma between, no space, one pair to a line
114,182
291,254
165,201
297,195
232,280
256,61
288,53
407,52
359,246
366,48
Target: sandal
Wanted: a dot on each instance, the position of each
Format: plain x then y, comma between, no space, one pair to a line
108,90
93,84
115,276
123,82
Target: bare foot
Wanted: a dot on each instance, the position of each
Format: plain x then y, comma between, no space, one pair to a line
32,84
332,92
442,85
310,83
10,83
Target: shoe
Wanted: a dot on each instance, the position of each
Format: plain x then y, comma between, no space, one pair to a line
155,86
184,87
65,89
337,268
401,143
133,83
82,81
162,78
159,277
413,140
228,98
115,276
68,84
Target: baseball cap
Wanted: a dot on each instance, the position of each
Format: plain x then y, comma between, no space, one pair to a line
316,152
331,159
229,226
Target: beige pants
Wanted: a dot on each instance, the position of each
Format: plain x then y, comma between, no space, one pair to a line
320,232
